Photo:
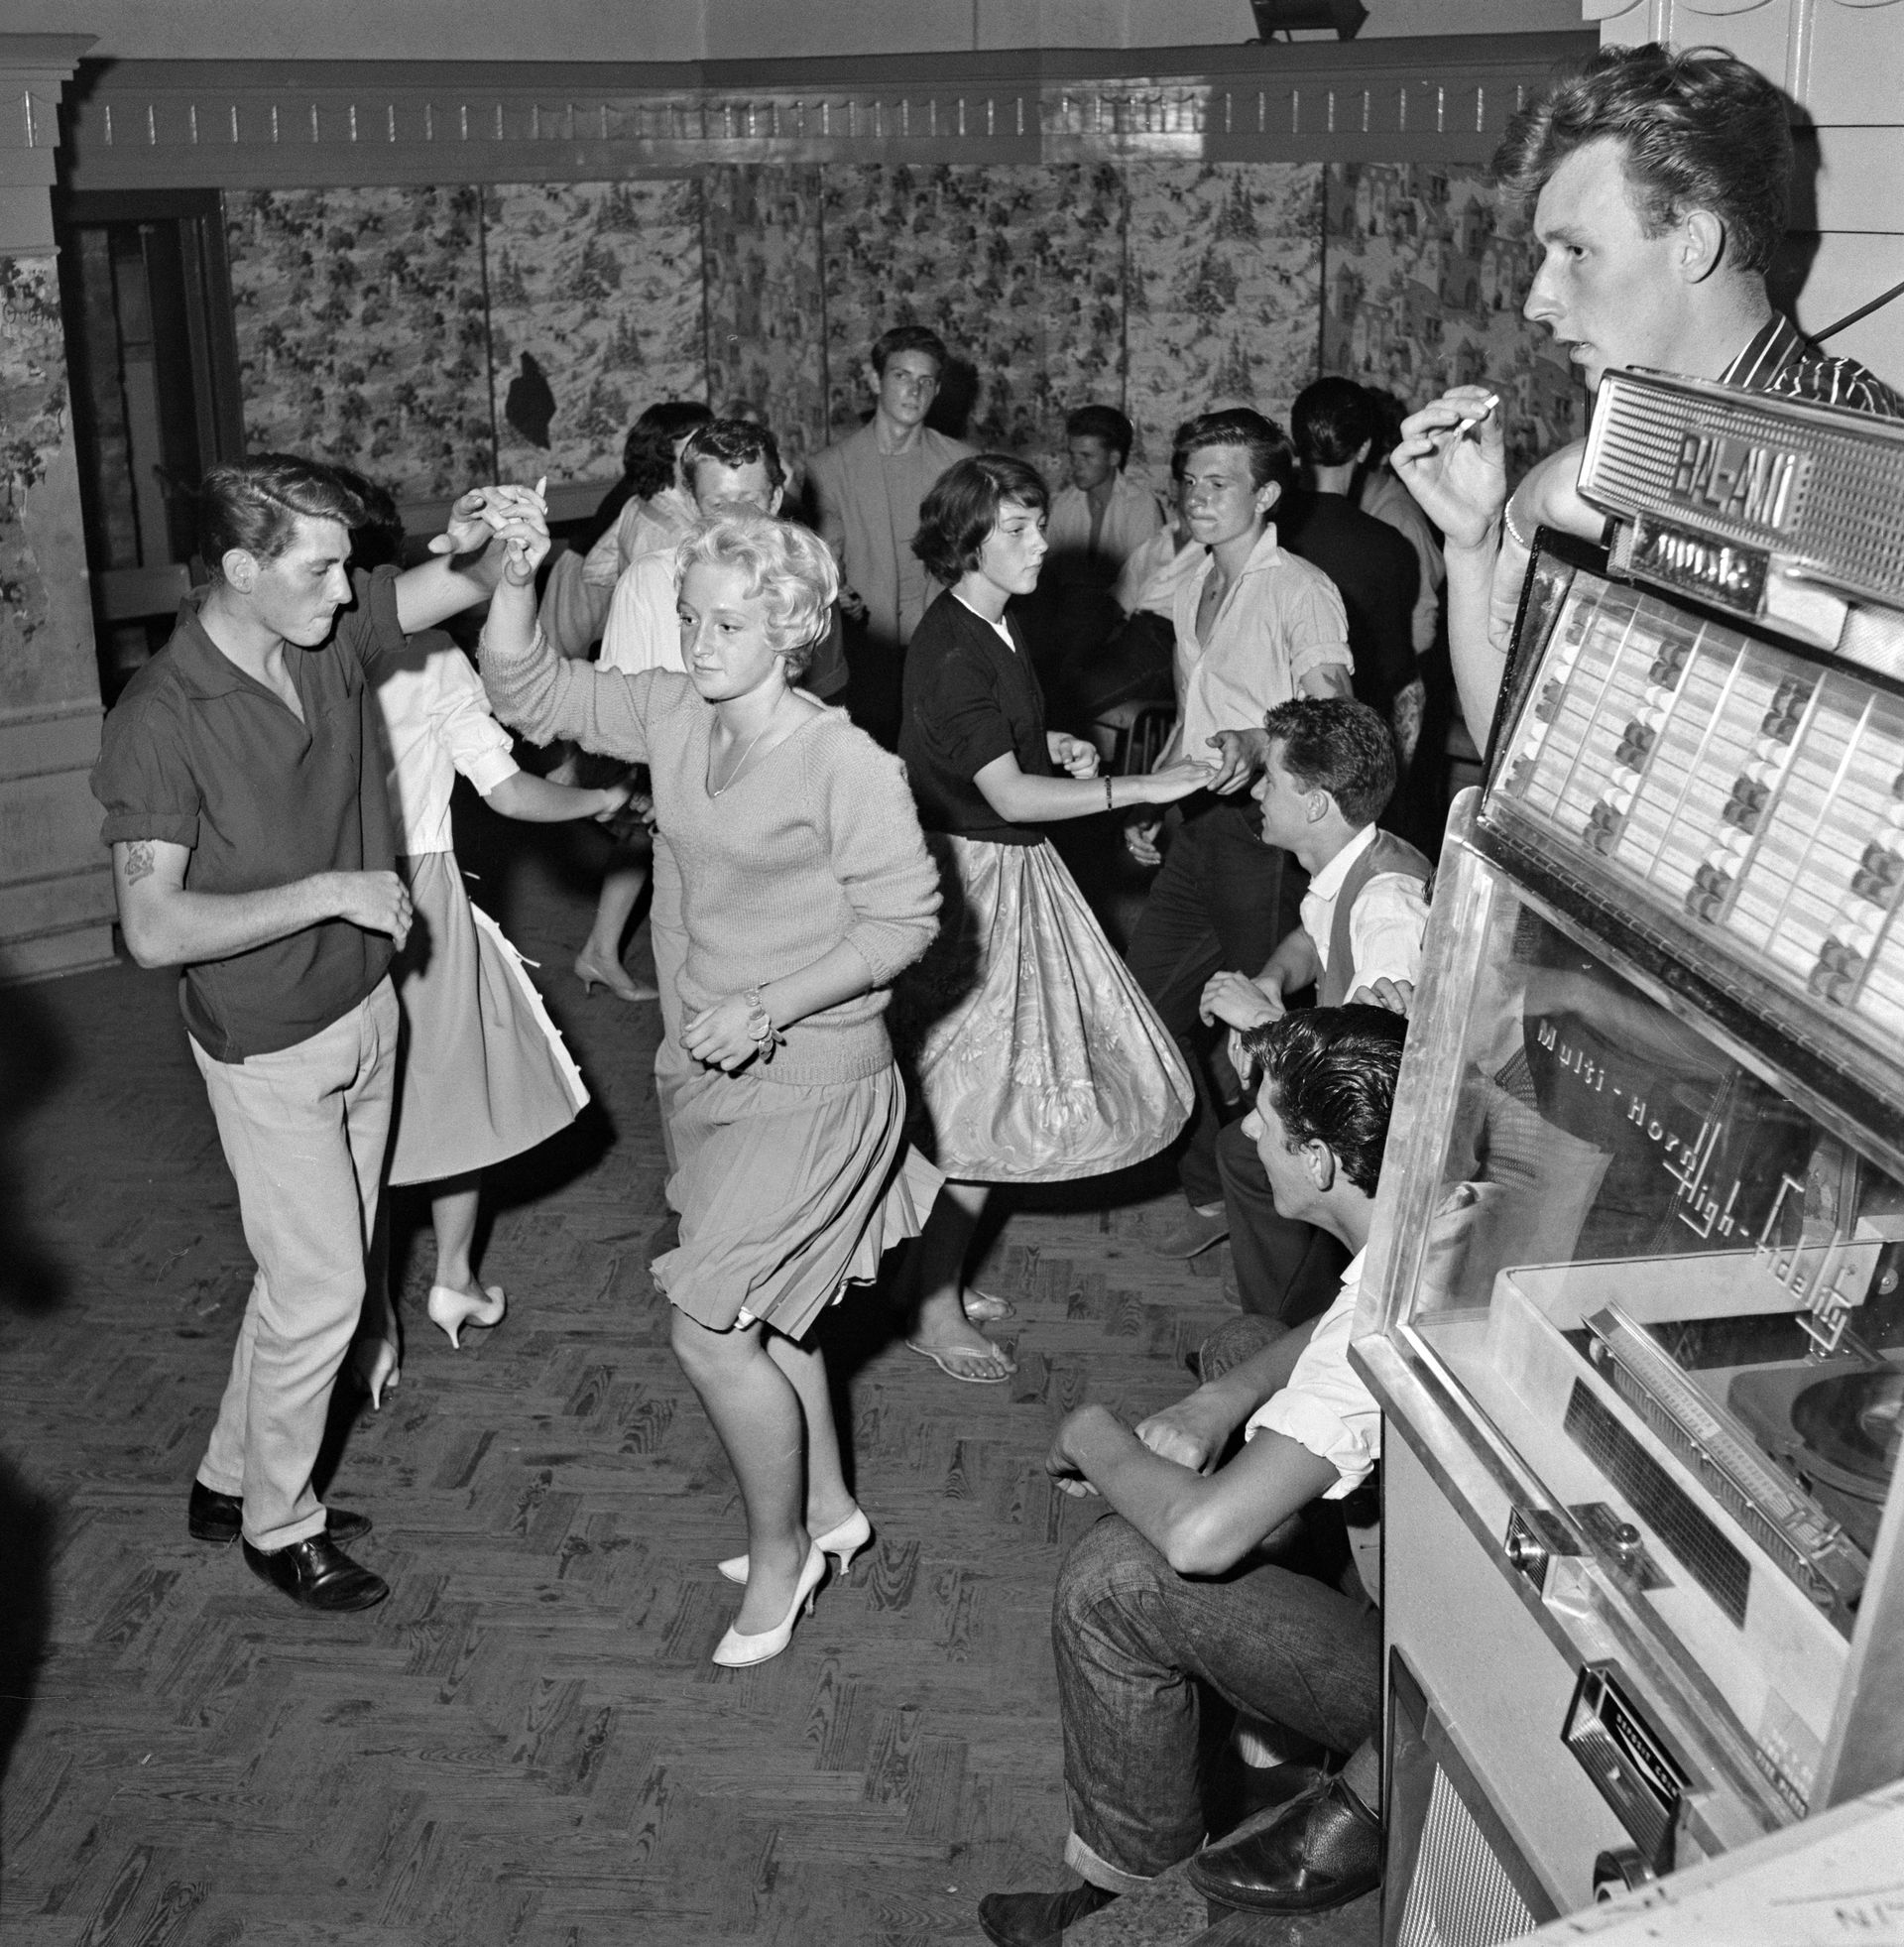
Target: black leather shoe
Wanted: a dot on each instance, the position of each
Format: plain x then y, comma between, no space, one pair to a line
215,1517
1037,1919
318,1574
1319,1851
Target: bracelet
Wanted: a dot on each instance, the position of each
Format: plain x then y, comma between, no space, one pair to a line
759,1025
1107,804
1514,535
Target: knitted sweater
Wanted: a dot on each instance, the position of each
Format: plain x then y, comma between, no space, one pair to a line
814,842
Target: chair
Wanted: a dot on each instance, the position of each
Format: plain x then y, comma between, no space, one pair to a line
1130,736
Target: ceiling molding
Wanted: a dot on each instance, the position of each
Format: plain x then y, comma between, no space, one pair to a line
245,124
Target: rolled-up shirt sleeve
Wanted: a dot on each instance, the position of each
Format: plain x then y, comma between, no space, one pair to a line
1325,1406
475,742
143,779
1386,929
1315,628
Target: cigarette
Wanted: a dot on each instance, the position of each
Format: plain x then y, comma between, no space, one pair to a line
543,481
1474,419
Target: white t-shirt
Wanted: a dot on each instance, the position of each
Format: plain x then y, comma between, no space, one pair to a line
1325,1406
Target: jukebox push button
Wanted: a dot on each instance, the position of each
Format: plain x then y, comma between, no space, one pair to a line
1628,1763
1534,1537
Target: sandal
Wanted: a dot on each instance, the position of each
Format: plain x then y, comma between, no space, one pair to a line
942,1355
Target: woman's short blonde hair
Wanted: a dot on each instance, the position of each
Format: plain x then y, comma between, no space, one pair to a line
788,570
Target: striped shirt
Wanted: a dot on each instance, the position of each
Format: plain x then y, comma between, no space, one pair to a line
1781,359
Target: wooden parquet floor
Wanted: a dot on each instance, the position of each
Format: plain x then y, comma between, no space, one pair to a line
527,1742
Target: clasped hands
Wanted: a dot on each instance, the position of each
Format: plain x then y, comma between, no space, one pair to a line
1192,1433
518,515
719,1037
1239,757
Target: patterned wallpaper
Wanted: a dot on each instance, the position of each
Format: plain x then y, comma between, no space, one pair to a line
767,299
46,626
1423,288
1224,285
595,310
362,330
421,332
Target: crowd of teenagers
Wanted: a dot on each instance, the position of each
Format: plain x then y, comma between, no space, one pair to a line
885,1000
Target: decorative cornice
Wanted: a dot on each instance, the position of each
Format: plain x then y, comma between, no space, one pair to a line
257,124
32,70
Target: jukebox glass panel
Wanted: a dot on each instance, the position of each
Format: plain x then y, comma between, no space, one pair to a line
1675,1295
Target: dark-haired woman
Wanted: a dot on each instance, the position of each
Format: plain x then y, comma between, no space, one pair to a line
655,515
1036,1057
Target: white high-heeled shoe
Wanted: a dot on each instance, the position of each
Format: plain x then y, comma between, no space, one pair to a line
453,1309
736,1652
842,1543
375,1362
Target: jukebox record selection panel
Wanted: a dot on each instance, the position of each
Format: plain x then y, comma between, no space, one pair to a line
1755,794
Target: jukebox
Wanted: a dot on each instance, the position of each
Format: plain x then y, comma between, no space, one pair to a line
1634,1306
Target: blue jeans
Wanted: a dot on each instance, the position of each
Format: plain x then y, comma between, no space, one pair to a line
1222,900
1144,1651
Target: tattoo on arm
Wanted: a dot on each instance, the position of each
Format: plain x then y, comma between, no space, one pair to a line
139,861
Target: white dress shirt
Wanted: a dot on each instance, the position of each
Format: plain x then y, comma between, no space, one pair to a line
437,722
1281,620
1385,924
1325,1406
644,631
1131,516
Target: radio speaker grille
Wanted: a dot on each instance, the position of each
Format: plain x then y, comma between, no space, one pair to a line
1460,1895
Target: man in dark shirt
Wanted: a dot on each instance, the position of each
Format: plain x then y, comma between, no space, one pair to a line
252,845
1374,568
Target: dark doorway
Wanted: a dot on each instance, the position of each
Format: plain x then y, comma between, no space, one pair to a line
147,300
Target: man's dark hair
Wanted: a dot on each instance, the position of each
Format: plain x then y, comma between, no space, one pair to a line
962,508
1331,420
1271,457
1103,422
1696,130
1329,1075
1386,414
378,539
732,443
647,453
256,504
1337,745
908,338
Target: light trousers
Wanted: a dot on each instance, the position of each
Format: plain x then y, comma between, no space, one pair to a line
304,1129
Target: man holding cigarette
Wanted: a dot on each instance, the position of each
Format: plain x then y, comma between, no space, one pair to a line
1662,180
253,847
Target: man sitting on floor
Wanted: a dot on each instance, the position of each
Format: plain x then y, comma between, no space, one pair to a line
1329,773
1195,1589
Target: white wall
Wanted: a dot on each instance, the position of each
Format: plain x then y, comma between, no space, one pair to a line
689,29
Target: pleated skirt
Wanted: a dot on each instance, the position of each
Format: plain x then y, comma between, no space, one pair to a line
485,1072
1036,1057
788,1193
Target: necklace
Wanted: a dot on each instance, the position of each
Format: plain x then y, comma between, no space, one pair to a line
712,791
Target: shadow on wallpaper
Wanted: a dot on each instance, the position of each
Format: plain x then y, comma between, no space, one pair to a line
430,334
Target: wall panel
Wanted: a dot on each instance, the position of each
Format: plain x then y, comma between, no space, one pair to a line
1423,285
1224,286
596,310
362,330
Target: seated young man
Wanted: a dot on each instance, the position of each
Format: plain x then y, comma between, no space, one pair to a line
1329,773
1191,1592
